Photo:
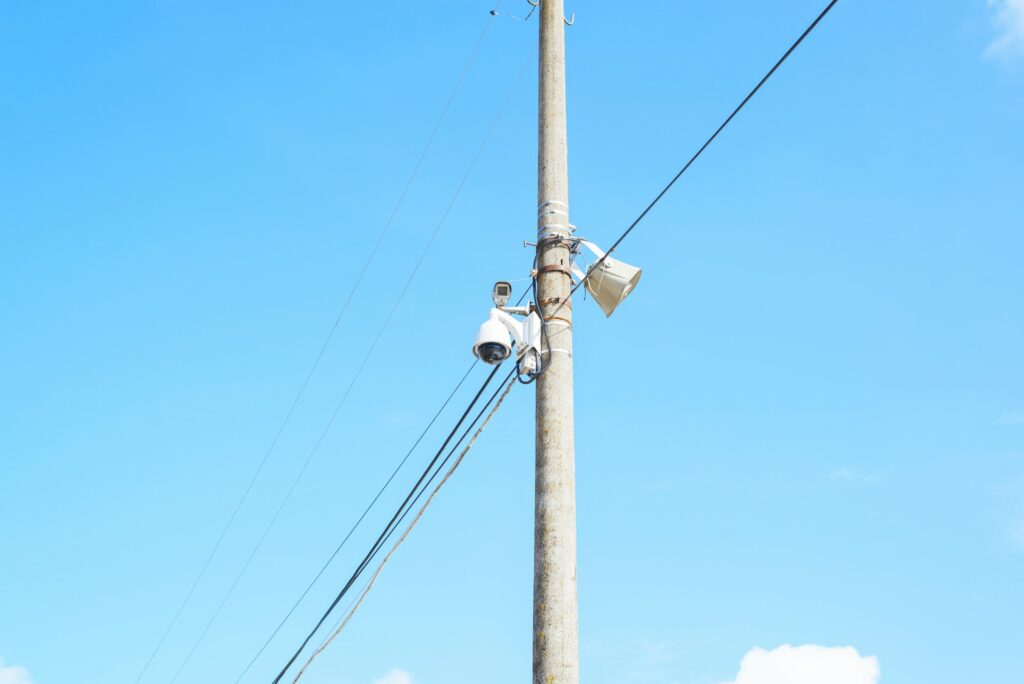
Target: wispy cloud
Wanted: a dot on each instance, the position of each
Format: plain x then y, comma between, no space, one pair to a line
807,664
396,676
1011,418
1009,499
1017,533
10,674
657,652
650,658
846,474
1009,18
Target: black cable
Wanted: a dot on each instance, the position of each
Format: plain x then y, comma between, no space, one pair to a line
451,452
546,342
533,288
359,370
369,506
391,523
438,470
363,515
401,514
320,354
397,520
703,147
397,524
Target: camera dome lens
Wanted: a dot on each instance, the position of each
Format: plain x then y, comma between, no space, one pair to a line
492,352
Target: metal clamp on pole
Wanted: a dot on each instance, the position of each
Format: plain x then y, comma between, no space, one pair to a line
553,211
555,268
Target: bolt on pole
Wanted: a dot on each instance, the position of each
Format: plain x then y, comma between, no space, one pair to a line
555,603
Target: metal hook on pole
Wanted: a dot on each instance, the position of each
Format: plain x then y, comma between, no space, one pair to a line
568,22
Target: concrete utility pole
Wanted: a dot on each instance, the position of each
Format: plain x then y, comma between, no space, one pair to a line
555,611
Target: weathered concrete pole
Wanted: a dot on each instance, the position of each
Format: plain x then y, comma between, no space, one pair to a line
555,612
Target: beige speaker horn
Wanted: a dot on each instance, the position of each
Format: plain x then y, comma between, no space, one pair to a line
609,281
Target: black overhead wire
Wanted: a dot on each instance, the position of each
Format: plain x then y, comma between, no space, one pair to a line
402,511
400,514
409,506
323,348
503,388
362,516
372,503
741,105
412,503
359,370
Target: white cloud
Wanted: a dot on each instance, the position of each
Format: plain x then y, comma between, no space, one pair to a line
10,674
1010,20
394,677
850,475
1011,418
656,652
807,665
1017,533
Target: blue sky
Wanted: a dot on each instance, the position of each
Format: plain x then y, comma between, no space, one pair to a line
805,428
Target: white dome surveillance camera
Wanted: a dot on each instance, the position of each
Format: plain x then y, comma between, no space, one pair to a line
492,341
500,331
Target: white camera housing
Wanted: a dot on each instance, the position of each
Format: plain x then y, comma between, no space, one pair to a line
500,331
501,293
493,343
